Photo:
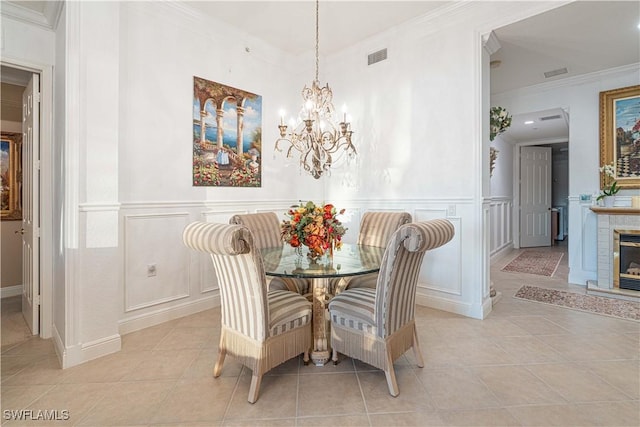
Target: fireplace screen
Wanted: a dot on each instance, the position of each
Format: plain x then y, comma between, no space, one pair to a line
626,262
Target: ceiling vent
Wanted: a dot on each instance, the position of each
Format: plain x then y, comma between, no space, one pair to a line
378,56
556,117
554,73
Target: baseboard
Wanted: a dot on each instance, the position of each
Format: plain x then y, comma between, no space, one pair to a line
102,347
499,253
464,309
157,317
58,345
10,291
67,356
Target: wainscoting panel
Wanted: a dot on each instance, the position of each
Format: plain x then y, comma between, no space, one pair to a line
501,229
155,240
442,267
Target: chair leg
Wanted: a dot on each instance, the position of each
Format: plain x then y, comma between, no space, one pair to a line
334,356
222,352
390,373
416,348
305,357
255,388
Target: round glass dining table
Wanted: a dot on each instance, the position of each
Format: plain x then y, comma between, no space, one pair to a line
348,261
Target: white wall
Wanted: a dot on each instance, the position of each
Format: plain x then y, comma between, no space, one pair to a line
580,97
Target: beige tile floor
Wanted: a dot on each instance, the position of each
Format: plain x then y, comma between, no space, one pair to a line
527,364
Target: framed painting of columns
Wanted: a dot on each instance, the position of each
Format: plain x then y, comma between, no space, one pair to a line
227,136
620,135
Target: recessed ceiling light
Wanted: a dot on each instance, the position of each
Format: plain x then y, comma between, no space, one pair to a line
528,122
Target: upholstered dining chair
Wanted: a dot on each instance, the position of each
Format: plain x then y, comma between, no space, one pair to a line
265,228
377,325
261,328
375,230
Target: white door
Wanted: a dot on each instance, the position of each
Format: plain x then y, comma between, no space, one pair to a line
535,196
30,204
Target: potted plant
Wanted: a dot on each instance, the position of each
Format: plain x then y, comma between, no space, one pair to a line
611,186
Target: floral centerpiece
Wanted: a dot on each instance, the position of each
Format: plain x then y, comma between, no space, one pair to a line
611,186
500,120
314,226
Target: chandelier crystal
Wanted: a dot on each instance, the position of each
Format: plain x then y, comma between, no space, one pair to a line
315,136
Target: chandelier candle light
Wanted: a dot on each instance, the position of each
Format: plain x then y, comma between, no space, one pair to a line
315,135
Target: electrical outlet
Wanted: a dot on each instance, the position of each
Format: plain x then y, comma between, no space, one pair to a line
151,270
451,210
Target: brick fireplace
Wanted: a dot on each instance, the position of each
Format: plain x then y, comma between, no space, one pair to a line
618,253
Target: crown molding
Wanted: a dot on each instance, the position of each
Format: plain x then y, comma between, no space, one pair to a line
491,43
49,19
571,81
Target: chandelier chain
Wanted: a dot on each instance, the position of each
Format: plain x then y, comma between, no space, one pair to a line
317,38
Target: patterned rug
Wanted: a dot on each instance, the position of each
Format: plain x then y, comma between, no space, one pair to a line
543,263
593,304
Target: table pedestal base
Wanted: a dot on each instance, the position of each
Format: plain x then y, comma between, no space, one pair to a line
321,353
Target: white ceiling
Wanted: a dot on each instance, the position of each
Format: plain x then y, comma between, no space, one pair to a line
583,36
290,25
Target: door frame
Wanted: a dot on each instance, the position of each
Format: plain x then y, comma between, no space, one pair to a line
516,183
46,188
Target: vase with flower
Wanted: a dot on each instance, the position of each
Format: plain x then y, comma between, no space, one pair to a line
611,187
314,226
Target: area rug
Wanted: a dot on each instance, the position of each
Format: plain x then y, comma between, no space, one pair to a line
543,263
593,304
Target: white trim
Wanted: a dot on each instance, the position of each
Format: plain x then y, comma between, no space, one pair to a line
49,19
491,43
570,81
10,291
162,315
102,347
475,311
58,345
501,252
99,207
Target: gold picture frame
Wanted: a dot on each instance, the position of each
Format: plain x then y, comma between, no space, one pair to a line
620,135
11,176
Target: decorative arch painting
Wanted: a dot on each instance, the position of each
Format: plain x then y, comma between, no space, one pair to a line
227,136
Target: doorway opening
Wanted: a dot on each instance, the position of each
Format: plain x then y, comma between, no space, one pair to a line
21,109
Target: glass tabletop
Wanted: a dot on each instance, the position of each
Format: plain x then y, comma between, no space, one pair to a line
350,260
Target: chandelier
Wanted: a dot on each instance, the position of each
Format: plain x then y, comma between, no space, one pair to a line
315,136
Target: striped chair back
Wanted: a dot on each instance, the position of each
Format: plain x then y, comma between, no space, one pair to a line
377,227
399,270
264,226
240,273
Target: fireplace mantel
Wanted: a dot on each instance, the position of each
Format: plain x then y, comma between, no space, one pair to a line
615,210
